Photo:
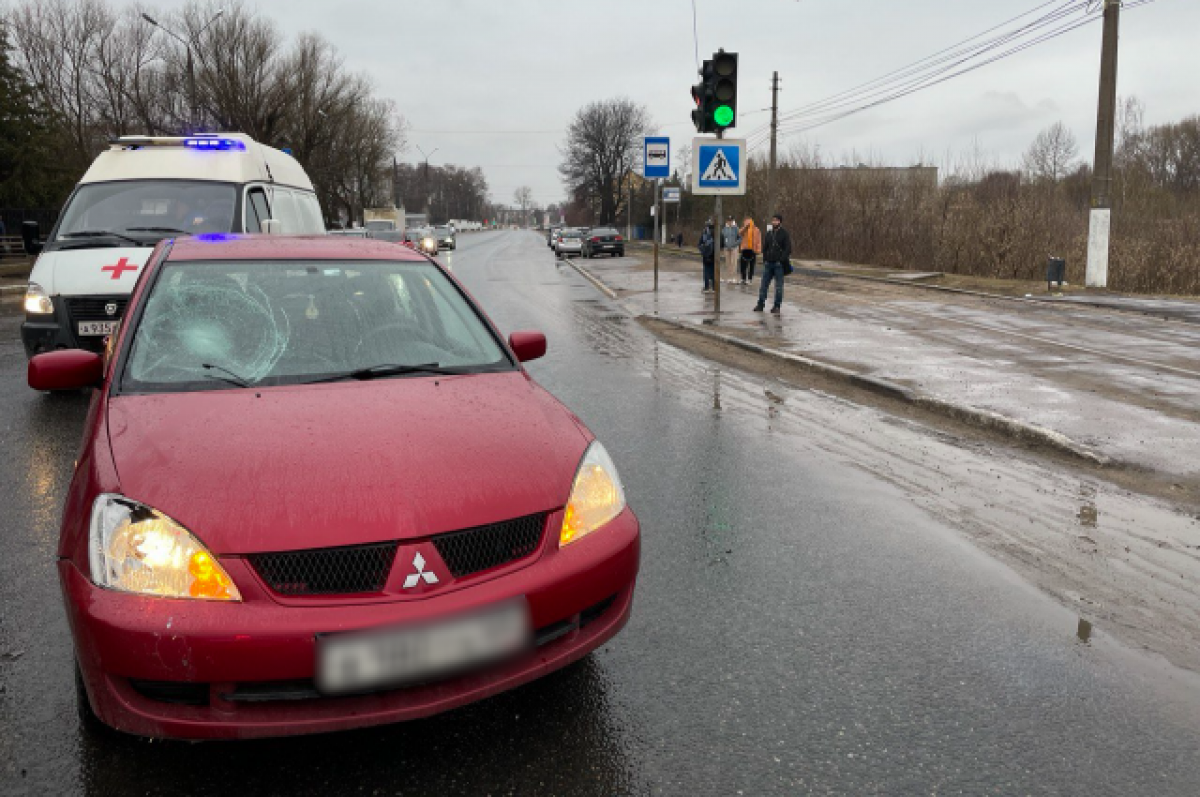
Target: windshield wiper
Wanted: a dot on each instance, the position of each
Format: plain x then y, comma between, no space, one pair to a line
103,234
376,371
157,229
230,377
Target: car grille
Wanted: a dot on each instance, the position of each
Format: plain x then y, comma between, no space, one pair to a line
475,550
327,571
92,308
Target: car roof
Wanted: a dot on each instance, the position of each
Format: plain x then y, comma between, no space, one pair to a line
289,247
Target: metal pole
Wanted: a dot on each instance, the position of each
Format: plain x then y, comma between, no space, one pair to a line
629,211
657,191
717,228
1100,223
774,134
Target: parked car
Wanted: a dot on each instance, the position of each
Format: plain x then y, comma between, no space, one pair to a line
603,240
570,241
551,234
137,192
319,491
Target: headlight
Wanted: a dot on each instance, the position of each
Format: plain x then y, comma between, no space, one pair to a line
596,497
133,548
37,301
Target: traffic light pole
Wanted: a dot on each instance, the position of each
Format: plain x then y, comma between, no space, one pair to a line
718,233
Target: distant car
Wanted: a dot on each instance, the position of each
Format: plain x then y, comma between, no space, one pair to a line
603,240
319,491
569,241
551,234
445,238
422,240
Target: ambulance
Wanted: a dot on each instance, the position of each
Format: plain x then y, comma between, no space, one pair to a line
139,191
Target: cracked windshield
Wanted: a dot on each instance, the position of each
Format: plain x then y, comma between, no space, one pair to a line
677,398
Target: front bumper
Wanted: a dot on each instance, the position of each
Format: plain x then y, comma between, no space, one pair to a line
58,330
248,668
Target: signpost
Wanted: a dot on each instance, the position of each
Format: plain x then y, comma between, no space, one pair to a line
670,195
656,165
656,158
719,166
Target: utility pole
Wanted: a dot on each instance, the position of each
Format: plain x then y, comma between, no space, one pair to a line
774,134
1100,223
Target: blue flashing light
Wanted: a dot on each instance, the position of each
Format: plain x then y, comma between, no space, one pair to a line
215,144
215,237
286,150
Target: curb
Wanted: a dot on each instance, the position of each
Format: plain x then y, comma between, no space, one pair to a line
965,413
817,271
592,278
961,412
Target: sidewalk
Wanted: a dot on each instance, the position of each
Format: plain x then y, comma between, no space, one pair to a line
1122,385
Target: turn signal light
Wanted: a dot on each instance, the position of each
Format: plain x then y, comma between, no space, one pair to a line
209,580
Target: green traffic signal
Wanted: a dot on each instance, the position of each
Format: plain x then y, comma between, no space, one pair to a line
723,116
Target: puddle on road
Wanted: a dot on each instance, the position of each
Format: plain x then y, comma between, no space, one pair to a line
1035,517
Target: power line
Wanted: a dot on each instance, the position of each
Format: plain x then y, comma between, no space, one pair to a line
832,112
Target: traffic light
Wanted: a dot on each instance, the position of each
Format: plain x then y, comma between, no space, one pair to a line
716,94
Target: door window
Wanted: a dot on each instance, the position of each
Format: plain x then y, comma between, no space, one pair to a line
257,210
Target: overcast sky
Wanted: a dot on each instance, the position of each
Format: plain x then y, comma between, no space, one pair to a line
467,73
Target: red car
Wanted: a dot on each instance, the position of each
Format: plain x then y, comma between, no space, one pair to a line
317,491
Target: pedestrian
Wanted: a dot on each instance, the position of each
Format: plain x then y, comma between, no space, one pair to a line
777,254
730,240
751,247
708,254
679,239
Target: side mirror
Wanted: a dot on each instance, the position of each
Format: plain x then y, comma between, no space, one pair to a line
66,369
31,237
272,226
527,345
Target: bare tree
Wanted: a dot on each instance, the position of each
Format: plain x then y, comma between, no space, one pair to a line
1052,154
523,196
603,141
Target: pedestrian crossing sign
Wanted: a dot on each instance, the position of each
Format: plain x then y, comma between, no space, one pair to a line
719,166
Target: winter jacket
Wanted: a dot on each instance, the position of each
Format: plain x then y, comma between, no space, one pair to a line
777,246
707,244
751,238
729,237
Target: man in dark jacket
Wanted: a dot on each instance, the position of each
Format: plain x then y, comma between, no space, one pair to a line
777,252
708,253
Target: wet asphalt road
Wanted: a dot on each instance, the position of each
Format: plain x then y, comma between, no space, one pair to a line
799,626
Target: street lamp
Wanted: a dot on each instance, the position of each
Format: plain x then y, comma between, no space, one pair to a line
426,176
191,66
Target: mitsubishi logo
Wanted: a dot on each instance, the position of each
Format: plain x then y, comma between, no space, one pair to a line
412,579
111,308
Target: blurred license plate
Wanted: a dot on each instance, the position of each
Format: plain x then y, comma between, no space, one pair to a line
97,327
356,662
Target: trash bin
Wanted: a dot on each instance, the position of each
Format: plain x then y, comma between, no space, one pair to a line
1056,271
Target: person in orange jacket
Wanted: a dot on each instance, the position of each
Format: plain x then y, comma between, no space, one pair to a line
751,249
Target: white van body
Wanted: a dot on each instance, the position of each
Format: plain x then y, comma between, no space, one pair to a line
138,192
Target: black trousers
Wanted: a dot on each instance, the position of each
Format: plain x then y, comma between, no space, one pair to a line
746,265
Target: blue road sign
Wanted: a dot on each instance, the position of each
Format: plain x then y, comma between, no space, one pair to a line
718,167
656,158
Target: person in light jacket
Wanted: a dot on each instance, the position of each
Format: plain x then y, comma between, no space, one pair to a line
730,240
777,253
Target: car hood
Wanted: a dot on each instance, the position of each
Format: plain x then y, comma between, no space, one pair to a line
286,468
81,272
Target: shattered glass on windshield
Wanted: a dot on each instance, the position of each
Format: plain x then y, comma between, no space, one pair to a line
267,323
